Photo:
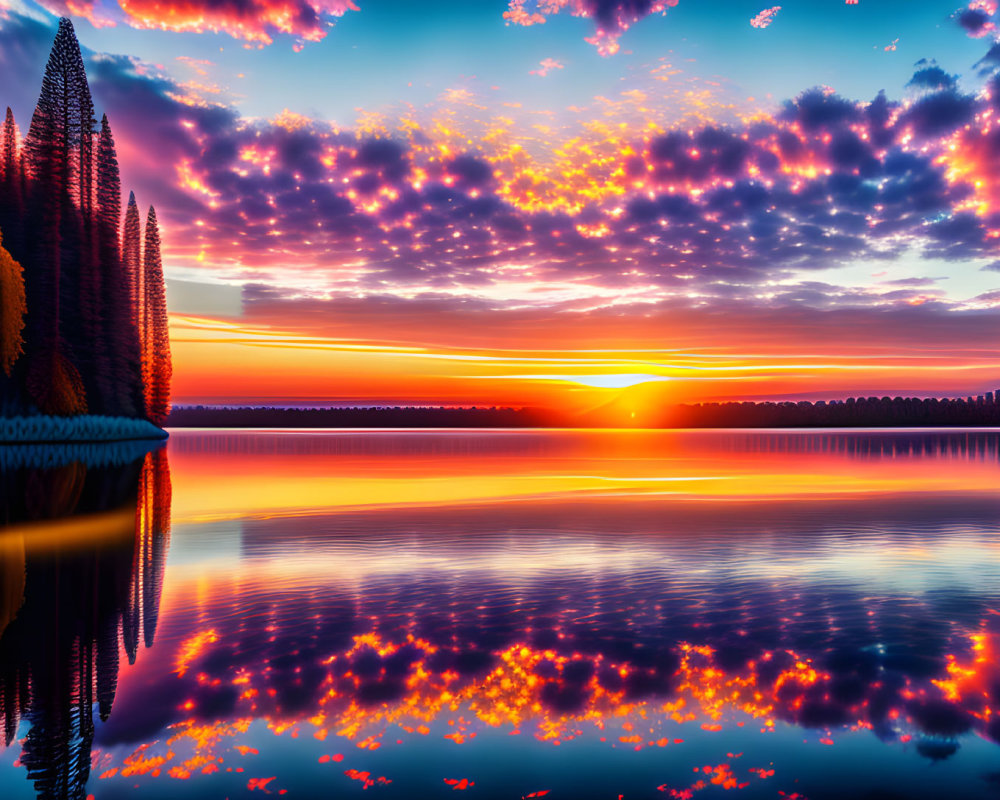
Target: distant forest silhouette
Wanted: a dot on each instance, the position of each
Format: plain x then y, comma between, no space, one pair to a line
855,412
83,316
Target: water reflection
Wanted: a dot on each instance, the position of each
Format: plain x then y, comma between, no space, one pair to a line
818,619
686,618
234,475
82,557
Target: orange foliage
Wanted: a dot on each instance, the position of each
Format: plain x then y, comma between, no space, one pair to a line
12,309
154,337
55,384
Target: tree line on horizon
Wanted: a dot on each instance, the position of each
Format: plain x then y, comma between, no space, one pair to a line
854,412
374,417
83,317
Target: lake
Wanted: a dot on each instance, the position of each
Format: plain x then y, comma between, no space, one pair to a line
509,614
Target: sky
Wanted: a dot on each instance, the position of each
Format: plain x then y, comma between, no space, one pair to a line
555,202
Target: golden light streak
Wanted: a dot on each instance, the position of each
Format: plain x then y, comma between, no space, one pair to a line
647,464
261,360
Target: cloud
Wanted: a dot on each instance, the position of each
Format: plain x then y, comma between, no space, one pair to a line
85,9
765,17
818,108
621,211
24,49
977,18
254,21
545,66
941,113
990,61
610,17
714,213
756,328
932,77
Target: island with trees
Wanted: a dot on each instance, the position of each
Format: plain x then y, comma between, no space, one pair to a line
84,349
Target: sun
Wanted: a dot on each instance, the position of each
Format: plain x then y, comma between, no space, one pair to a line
615,380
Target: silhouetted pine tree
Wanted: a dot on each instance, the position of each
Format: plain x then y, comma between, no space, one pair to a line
54,148
155,336
11,185
85,142
120,337
87,341
131,259
95,332
8,149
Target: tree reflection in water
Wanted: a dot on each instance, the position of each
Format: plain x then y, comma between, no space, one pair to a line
82,556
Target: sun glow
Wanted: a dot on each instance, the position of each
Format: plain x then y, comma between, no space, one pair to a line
574,369
619,380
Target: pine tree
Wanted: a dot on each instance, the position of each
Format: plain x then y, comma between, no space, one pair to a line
109,190
11,179
12,310
120,337
85,142
88,311
155,337
8,143
91,355
54,147
131,261
87,342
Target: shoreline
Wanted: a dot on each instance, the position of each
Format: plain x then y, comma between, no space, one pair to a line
84,429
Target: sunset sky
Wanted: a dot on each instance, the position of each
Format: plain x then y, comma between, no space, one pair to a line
553,202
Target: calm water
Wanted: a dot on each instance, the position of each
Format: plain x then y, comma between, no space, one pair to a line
505,614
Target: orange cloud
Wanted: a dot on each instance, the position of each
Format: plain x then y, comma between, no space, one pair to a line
545,66
85,9
253,21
